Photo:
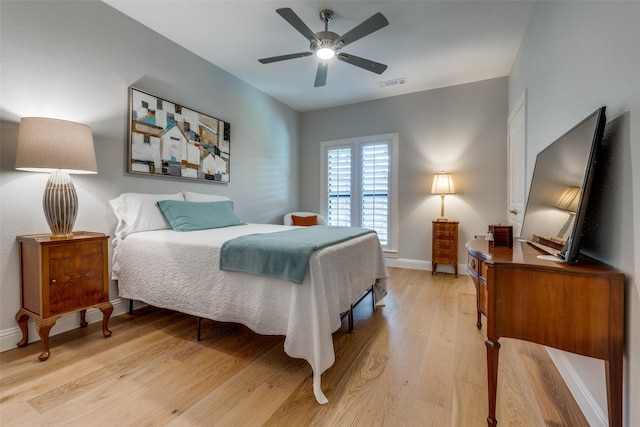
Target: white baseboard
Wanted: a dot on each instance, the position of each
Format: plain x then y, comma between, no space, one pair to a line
413,264
593,412
416,264
10,337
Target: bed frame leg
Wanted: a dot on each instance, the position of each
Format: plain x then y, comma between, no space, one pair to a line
130,307
351,319
349,313
199,327
373,298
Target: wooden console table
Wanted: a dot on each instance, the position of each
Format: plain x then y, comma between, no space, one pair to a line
573,307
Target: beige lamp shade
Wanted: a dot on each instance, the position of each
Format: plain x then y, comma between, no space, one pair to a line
59,147
442,185
45,145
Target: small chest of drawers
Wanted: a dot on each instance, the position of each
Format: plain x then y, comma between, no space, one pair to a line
444,245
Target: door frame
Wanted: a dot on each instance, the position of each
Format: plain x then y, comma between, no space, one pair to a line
517,164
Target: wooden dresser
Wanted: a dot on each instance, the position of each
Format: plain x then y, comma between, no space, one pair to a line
444,244
62,276
573,307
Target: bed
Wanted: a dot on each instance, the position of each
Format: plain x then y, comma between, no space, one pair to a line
180,270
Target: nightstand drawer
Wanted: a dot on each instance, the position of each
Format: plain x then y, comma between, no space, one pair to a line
444,244
446,237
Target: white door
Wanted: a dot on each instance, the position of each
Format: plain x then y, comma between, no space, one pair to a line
516,201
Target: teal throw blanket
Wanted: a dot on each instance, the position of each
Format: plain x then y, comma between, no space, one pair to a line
284,254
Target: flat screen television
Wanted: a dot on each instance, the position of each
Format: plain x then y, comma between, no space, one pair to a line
560,188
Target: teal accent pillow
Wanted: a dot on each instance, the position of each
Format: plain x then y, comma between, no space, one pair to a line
189,216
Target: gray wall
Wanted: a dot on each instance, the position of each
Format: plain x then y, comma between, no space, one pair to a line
461,129
576,57
75,61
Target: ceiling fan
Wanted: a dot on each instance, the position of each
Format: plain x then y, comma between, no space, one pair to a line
326,44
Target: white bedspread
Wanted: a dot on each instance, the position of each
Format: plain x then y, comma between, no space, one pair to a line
180,271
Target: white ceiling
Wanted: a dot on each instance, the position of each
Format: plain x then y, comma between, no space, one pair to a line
430,43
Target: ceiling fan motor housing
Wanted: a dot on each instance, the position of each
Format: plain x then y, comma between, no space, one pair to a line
327,41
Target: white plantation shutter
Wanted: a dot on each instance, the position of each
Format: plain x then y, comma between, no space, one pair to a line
339,186
359,185
375,165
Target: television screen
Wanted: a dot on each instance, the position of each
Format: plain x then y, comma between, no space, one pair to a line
560,187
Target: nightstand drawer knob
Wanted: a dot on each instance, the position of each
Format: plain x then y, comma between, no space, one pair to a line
53,280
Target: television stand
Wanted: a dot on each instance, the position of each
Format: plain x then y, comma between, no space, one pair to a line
573,307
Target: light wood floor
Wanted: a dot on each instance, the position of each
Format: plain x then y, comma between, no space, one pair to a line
417,361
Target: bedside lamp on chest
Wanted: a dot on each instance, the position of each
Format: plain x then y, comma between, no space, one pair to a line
444,244
61,148
442,185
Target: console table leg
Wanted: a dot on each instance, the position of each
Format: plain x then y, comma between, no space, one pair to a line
22,318
44,327
493,351
106,309
613,374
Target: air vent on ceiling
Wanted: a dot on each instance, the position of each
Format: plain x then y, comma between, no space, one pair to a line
394,82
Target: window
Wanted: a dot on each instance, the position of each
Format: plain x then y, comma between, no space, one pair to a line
359,184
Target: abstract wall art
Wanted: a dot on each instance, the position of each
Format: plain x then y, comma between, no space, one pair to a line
170,140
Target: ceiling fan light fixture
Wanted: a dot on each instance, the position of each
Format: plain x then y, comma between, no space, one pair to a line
326,44
325,53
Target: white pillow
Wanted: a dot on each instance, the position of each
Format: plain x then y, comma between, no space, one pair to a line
201,197
139,212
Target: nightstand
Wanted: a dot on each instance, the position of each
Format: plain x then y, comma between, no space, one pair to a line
62,276
444,246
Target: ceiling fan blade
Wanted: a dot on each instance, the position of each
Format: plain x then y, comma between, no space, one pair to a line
372,24
367,64
284,57
321,74
293,19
